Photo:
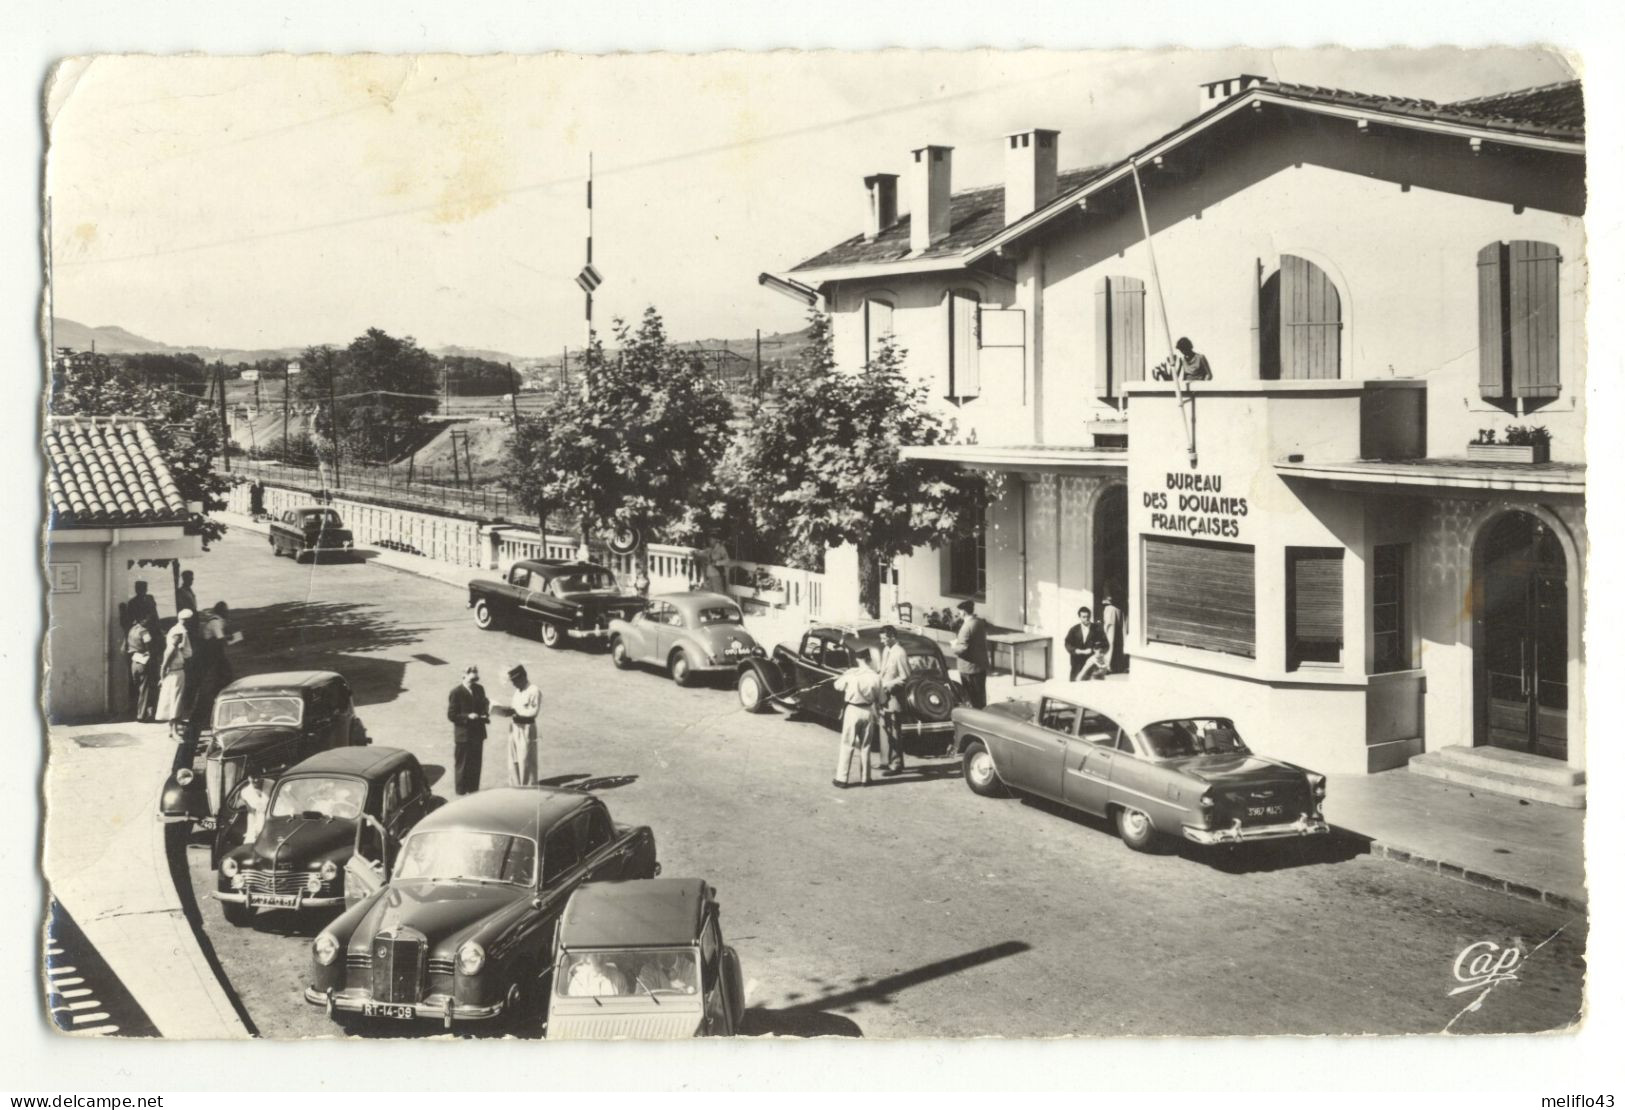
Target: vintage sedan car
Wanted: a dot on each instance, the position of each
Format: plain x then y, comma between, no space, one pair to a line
464,929
559,598
337,811
801,678
688,633
310,530
262,725
644,960
1155,770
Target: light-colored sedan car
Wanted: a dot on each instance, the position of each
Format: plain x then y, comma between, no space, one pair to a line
1154,769
687,633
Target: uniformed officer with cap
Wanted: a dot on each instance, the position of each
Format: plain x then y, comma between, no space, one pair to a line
527,705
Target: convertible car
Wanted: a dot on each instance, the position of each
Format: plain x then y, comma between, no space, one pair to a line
262,725
317,818
687,633
1155,773
464,929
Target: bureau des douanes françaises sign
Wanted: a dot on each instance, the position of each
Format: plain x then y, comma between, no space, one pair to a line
1195,505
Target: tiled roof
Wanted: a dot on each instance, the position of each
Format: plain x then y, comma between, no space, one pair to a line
107,473
973,216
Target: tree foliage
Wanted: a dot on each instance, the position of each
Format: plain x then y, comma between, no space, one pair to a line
186,430
638,445
470,376
824,464
379,384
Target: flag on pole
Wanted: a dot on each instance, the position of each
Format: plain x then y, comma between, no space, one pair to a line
589,278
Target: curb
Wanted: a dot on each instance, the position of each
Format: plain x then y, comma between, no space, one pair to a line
1449,870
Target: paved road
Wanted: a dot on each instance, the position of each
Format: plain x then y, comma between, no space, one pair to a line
909,909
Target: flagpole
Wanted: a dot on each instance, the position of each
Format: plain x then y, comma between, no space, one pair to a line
589,246
1167,330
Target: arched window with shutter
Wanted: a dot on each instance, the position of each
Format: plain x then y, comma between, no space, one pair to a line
1119,334
1518,320
1300,317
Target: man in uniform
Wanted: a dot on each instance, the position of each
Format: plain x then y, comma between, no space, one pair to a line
527,706
860,686
894,672
469,711
185,595
971,648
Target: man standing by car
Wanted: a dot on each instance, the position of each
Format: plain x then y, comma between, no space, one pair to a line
860,686
1087,646
894,672
469,711
527,706
971,648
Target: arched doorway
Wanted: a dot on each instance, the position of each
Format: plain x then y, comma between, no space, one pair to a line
1110,562
1523,637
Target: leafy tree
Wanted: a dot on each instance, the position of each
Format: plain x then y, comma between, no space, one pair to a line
638,446
380,386
825,467
186,372
187,432
469,376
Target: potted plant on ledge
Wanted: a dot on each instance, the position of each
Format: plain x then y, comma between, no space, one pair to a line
1531,444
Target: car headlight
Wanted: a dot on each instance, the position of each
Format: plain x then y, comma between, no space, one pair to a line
228,867
184,776
330,870
470,958
326,948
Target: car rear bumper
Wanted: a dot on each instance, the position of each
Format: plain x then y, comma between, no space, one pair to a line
924,726
437,1007
1237,832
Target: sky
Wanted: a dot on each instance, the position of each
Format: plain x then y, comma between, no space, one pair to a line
280,201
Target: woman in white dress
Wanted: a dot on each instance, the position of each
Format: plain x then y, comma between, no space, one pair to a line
172,672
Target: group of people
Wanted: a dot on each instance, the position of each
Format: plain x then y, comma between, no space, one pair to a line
469,711
1095,647
175,674
872,688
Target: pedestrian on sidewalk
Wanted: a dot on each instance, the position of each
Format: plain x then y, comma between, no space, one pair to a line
527,706
210,671
469,711
172,672
970,646
185,596
894,671
860,686
138,646
140,607
1111,622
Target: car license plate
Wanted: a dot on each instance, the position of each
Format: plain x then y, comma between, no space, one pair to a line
274,901
1264,811
397,1010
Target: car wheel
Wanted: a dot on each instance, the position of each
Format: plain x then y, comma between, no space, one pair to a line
237,913
980,774
618,654
484,619
752,694
681,672
552,635
1136,829
276,549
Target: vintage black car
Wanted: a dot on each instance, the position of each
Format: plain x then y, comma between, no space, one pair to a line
464,929
338,812
557,597
310,530
801,678
262,725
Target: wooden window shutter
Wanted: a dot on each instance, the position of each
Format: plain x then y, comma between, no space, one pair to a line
1128,330
1492,325
1315,604
1532,301
1311,321
964,369
877,324
1104,378
1221,615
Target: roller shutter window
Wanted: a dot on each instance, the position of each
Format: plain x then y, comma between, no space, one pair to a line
964,373
1391,646
1311,321
1518,318
877,325
1201,595
1119,334
1314,605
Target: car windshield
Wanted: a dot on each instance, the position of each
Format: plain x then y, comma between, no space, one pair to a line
342,798
476,856
628,971
721,614
924,664
231,712
583,582
1192,736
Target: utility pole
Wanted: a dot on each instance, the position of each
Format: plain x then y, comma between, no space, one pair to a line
757,383
225,426
333,416
564,370
287,381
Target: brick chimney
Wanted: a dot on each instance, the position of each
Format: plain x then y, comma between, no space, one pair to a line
1215,93
930,187
1029,171
882,189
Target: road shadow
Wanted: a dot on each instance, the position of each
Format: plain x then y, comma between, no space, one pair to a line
822,1015
915,775
325,636
581,780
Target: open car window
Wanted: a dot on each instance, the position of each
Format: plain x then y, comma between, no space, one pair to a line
475,856
234,712
1186,737
836,656
520,576
338,798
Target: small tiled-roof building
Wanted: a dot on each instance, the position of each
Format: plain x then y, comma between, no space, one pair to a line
114,517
